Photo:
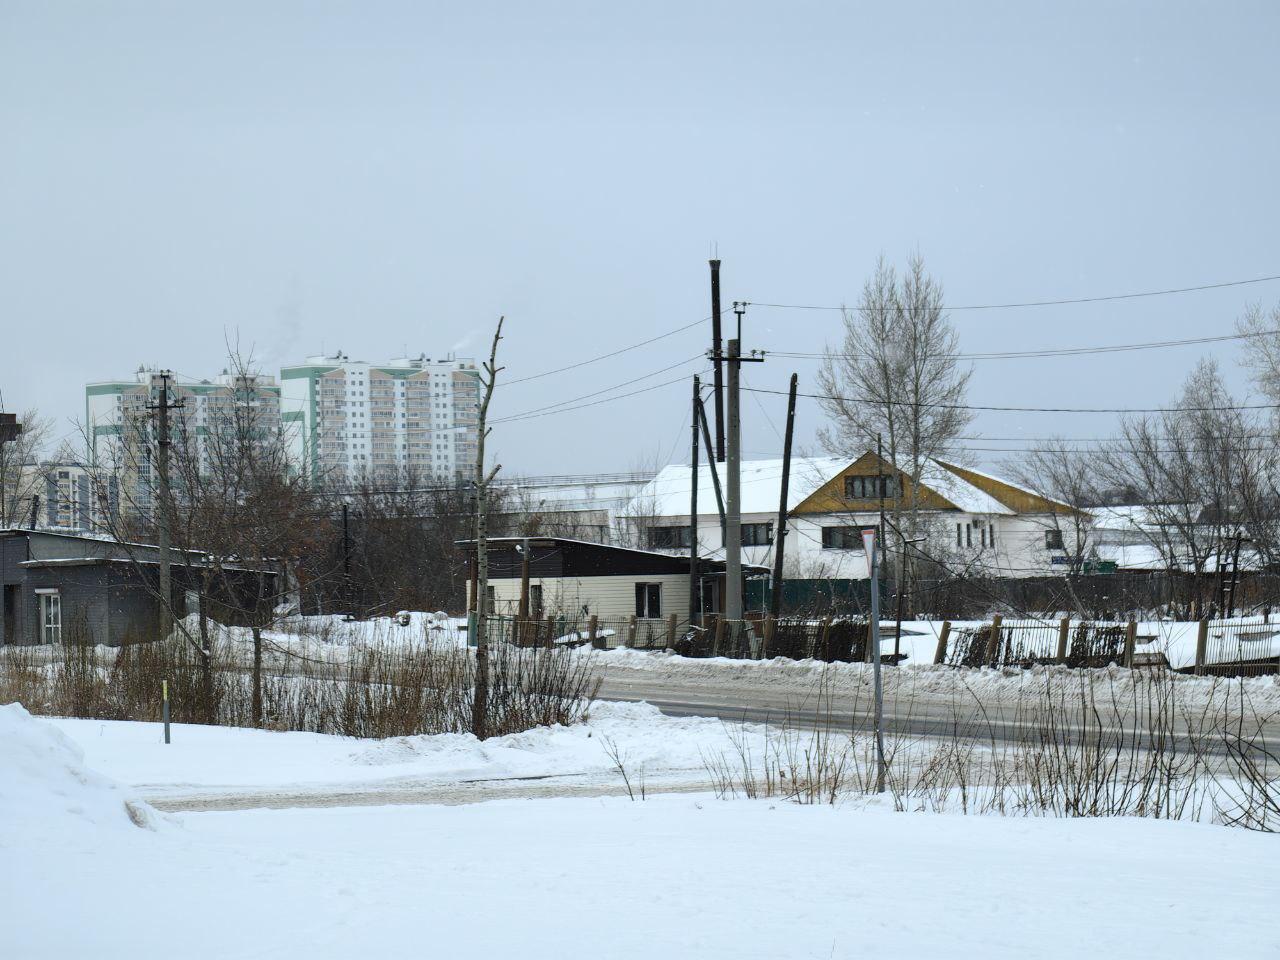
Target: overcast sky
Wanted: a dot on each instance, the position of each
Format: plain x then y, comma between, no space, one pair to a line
380,176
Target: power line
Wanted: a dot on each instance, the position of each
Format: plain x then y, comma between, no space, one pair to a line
1051,352
605,356
551,407
546,413
963,406
1039,303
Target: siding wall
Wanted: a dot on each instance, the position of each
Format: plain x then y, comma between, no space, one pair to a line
605,597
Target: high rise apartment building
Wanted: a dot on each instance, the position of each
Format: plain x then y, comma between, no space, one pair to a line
120,423
350,420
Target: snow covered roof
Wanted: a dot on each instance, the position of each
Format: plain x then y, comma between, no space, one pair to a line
667,494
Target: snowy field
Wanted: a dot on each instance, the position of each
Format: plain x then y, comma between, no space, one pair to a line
88,870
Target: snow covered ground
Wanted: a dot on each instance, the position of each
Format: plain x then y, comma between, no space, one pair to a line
673,876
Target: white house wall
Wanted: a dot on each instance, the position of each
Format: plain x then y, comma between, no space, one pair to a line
608,597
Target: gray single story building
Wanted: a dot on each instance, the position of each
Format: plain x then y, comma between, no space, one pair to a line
61,585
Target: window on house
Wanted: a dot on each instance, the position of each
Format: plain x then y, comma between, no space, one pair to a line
50,617
757,534
1053,540
870,488
669,538
489,600
968,534
959,534
842,538
648,600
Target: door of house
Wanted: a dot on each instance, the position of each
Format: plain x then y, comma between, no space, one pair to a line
50,616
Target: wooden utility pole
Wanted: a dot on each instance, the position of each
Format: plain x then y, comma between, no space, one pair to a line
716,346
480,700
780,537
733,489
700,414
693,507
348,600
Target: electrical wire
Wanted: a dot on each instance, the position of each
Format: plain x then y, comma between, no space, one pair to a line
964,406
549,408
1039,303
1047,352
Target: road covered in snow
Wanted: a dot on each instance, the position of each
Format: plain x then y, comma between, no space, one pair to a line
90,870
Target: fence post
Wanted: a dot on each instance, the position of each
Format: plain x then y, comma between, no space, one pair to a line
715,646
592,623
770,624
671,631
941,655
1202,646
631,631
993,641
1130,638
1064,633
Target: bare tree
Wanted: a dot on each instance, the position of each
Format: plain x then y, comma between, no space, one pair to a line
1064,474
895,375
1206,479
20,481
480,702
1261,330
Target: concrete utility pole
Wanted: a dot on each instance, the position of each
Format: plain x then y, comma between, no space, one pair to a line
165,515
733,492
733,478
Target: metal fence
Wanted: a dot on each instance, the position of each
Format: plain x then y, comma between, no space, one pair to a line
1240,647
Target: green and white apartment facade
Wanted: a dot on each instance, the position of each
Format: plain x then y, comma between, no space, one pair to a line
120,424
351,419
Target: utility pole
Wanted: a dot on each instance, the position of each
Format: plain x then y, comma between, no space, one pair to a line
780,538
873,568
733,469
347,598
163,442
700,414
716,348
694,606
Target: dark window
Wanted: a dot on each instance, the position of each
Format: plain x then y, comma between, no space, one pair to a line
968,534
648,600
959,534
668,538
757,534
1053,540
870,488
842,538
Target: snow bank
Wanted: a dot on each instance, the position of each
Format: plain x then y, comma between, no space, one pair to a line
45,787
218,759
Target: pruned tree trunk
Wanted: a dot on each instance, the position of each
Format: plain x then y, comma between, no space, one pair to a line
257,675
480,700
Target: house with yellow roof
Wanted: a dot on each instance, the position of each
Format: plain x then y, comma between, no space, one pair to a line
974,522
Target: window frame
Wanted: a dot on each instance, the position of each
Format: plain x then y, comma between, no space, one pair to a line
1053,540
678,534
831,534
755,527
648,600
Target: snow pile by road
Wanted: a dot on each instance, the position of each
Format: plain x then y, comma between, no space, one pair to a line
210,760
46,789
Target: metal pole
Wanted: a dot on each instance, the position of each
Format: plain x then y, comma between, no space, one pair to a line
164,707
873,562
717,382
693,508
346,563
780,537
733,500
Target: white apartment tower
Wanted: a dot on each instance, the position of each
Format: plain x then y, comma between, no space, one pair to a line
351,420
